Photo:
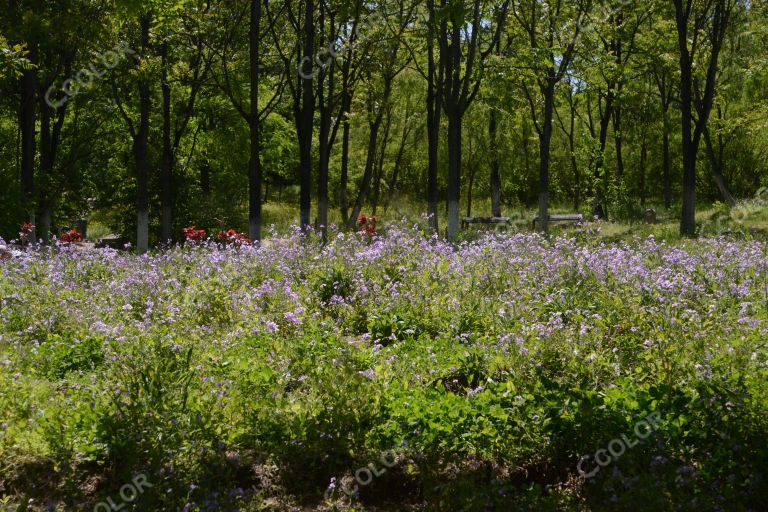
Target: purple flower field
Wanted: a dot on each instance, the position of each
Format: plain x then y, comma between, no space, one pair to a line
507,373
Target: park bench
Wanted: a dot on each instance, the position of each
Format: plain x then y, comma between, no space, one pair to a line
568,217
111,242
484,220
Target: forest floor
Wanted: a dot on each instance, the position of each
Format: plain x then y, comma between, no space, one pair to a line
599,369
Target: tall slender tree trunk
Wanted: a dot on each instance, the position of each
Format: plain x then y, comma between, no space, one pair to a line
495,177
643,161
166,169
205,179
526,143
574,163
27,121
545,139
346,105
347,91
306,119
379,172
717,170
400,154
667,163
454,173
470,186
599,208
434,92
254,124
140,153
326,99
46,168
370,162
688,214
717,23
617,139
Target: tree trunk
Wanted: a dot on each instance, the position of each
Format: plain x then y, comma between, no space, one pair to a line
574,163
470,186
27,121
400,154
254,124
667,164
325,105
688,214
379,173
600,178
370,161
205,179
434,92
166,169
717,170
347,91
306,119
346,106
140,152
545,139
526,143
495,175
617,137
46,167
454,173
643,160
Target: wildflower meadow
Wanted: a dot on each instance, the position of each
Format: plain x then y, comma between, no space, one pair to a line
386,371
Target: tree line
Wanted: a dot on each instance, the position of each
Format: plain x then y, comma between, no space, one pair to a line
162,113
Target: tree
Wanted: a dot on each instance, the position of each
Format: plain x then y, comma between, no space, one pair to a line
701,31
389,59
462,57
551,46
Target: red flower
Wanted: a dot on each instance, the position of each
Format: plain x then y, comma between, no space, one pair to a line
367,225
70,237
26,229
231,236
194,235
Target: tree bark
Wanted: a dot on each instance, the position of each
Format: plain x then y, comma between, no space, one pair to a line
667,164
140,155
46,168
379,172
495,177
50,134
166,168
370,161
643,160
326,100
346,107
254,124
27,121
454,174
717,170
715,24
434,92
545,139
617,139
400,154
305,118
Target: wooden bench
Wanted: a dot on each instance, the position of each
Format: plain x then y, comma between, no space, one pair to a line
483,220
569,217
111,242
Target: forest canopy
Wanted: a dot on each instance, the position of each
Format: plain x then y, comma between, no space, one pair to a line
150,116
